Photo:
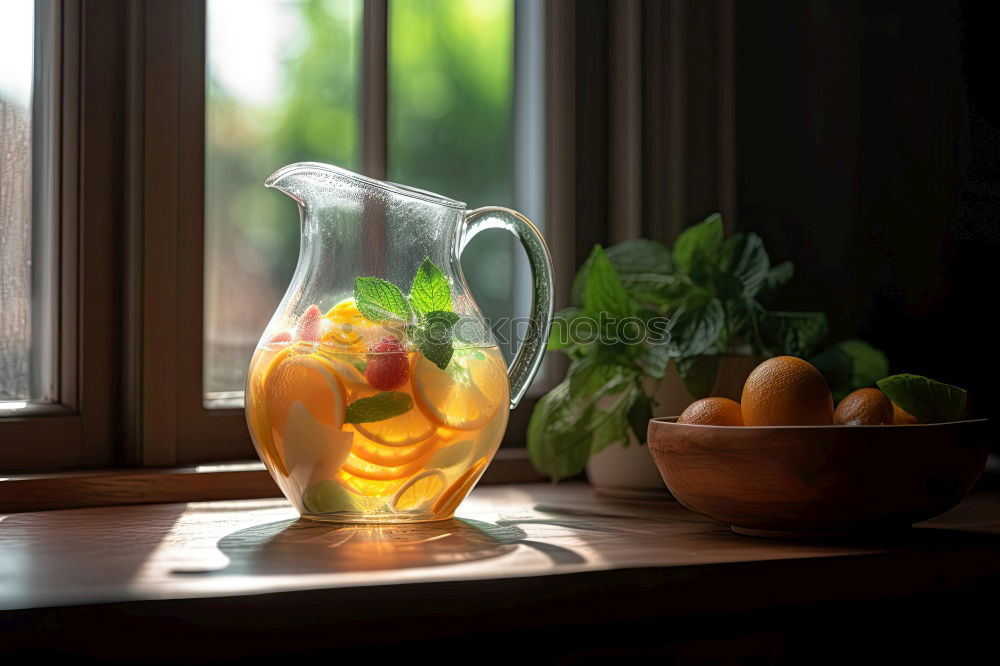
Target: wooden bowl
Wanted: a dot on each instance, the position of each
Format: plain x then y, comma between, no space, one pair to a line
819,481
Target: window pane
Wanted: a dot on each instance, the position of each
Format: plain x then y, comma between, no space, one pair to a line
451,116
16,73
282,87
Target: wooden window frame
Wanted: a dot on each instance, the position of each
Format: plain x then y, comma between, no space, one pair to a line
167,422
131,138
75,428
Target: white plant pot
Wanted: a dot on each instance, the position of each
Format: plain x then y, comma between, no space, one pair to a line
628,472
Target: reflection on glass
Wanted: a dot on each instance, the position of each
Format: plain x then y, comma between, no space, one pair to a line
282,87
16,70
451,91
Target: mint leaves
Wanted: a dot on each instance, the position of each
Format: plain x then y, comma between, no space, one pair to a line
430,291
927,399
378,407
379,300
427,313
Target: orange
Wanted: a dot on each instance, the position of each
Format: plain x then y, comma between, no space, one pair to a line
867,406
786,390
466,394
449,500
419,491
346,327
713,411
902,417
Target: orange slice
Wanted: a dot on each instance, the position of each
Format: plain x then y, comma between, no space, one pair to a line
392,456
368,487
308,379
403,430
464,395
346,327
451,498
418,491
366,470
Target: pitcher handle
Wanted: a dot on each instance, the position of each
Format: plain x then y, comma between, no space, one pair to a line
525,364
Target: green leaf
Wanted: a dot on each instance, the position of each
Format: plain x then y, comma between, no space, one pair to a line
656,289
779,275
430,290
640,263
696,327
441,318
603,290
743,256
378,407
561,333
565,429
592,379
379,300
639,414
793,333
699,244
850,365
640,255
699,374
433,337
925,398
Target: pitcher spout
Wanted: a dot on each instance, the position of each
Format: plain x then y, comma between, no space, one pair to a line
301,179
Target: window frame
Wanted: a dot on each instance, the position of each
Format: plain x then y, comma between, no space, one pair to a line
130,201
173,427
74,428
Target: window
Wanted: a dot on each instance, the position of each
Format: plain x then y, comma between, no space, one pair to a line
156,254
19,362
282,88
285,87
58,337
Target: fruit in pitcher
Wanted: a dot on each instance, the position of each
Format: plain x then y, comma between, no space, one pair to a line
785,390
347,327
466,394
713,411
867,406
309,324
388,368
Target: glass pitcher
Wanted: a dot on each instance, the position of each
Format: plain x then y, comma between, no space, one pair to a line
378,393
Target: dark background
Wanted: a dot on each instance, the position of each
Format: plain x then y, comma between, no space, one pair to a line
868,152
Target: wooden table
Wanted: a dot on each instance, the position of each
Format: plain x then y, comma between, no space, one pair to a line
247,577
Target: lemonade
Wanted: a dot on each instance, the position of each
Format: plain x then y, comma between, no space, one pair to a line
357,422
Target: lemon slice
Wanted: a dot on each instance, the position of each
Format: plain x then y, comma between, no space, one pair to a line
346,328
419,491
368,487
451,455
332,497
404,430
449,500
366,470
392,456
464,395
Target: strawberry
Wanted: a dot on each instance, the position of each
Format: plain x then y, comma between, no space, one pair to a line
388,368
308,328
280,336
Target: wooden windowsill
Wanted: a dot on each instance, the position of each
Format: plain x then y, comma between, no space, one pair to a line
217,481
247,577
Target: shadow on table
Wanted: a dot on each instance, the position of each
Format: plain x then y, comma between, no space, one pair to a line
302,546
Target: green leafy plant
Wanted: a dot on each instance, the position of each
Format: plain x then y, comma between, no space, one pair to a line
704,295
